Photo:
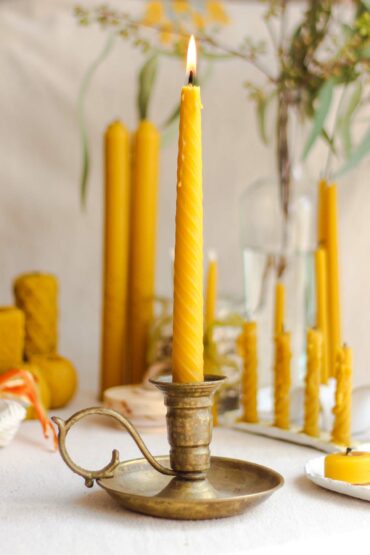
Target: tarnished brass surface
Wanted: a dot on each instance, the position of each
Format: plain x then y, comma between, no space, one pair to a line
230,488
196,486
107,472
189,423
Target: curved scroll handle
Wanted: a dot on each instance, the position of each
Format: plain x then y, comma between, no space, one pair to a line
107,471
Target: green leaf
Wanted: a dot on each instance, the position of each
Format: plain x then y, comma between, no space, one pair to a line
366,3
85,85
329,140
324,101
357,154
345,120
262,105
147,77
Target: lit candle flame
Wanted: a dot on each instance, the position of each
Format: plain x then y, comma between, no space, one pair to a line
191,61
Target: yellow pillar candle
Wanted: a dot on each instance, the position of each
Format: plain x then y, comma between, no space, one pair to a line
187,357
11,337
341,433
143,243
282,380
249,376
322,309
333,276
37,295
115,269
352,467
279,308
312,387
211,289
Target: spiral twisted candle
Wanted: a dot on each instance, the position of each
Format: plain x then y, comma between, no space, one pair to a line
341,433
249,379
188,267
283,356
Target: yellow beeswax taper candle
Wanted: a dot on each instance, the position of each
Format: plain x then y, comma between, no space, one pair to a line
321,213
333,277
279,308
312,386
282,380
187,357
143,243
211,289
322,309
115,262
341,433
248,344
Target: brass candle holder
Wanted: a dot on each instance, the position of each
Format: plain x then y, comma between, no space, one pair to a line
189,484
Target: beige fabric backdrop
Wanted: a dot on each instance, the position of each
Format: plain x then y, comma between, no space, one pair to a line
43,55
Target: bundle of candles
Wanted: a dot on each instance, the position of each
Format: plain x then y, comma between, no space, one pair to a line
326,356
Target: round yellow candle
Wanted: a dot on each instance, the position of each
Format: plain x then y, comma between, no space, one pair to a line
143,243
211,289
341,433
187,357
352,467
333,276
250,376
37,295
282,380
115,270
279,308
11,337
322,309
312,386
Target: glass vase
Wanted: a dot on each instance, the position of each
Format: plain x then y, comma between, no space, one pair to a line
274,249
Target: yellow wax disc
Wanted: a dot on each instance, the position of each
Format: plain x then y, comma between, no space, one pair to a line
353,467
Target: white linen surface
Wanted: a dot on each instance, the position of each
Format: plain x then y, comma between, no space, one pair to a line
45,508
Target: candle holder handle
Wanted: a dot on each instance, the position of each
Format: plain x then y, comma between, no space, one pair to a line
107,471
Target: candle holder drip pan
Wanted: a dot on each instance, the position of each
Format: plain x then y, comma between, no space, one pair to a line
188,484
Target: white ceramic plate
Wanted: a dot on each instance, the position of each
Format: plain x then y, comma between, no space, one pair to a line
314,471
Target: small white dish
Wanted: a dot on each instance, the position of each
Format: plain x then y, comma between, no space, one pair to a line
314,470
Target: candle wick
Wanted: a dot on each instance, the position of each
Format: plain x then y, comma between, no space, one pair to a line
191,77
349,450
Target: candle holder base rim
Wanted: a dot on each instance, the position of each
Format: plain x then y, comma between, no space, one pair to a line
231,486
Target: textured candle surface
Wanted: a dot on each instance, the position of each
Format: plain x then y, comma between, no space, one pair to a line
250,376
12,325
312,385
341,432
333,277
211,292
143,243
115,270
37,295
187,355
282,380
279,308
322,309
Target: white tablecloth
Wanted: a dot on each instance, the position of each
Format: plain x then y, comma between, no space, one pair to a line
45,509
